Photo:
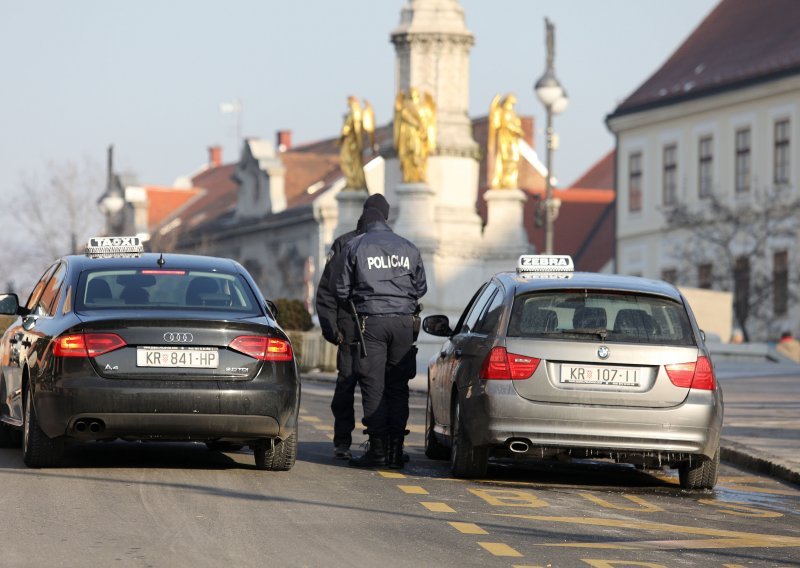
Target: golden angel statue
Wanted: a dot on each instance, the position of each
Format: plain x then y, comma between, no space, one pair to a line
351,155
414,133
505,131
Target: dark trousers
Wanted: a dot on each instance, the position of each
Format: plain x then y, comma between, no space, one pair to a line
344,419
384,373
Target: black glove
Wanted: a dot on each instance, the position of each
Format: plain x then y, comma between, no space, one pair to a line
339,338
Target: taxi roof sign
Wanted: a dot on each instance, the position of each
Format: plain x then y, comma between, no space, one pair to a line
545,263
114,247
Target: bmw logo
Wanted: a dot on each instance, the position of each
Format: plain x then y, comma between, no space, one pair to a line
603,352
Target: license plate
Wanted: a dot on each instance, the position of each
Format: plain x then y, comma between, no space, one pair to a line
178,357
600,375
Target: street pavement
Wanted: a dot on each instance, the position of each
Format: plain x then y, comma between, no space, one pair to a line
761,428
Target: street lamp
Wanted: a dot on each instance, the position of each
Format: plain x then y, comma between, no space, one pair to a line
112,202
554,98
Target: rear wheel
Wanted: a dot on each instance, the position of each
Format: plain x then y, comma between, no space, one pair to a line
466,460
433,448
38,450
276,455
699,473
9,436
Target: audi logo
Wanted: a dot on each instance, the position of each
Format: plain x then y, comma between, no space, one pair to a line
178,337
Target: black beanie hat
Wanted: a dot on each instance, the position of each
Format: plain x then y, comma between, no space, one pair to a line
378,201
370,215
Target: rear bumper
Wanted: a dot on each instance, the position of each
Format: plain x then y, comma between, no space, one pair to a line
497,415
174,410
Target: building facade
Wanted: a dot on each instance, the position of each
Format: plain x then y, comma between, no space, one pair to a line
707,164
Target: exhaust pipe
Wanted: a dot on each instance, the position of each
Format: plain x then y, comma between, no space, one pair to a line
95,426
80,426
519,447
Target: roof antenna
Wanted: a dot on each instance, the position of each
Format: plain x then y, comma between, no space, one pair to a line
161,262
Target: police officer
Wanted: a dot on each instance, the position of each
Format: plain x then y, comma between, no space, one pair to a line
338,327
384,277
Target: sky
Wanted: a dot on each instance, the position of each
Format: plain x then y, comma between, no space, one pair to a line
148,76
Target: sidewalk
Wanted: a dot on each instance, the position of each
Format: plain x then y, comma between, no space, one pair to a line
761,429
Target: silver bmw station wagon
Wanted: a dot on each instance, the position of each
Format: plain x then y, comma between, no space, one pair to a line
546,361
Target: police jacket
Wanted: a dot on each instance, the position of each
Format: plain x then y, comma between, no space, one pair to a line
382,273
335,318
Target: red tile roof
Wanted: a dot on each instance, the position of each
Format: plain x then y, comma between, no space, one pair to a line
740,42
164,201
600,175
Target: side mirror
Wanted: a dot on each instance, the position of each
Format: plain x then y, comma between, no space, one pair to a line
272,309
437,325
9,305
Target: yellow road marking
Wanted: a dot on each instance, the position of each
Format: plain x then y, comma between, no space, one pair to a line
732,566
509,498
436,507
644,506
527,566
467,528
413,489
302,411
728,538
767,490
330,436
500,549
391,475
416,428
740,509
310,419
323,426
621,563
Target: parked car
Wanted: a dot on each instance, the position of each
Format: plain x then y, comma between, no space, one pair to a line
547,361
122,344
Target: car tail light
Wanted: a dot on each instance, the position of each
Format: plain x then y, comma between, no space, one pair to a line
501,365
86,345
263,348
697,375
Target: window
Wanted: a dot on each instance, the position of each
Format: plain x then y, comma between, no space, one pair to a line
742,160
33,299
194,290
477,308
47,303
741,292
487,323
635,182
622,318
704,166
780,283
705,276
670,181
669,275
781,176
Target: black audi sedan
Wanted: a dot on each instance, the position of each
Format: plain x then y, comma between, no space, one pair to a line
120,344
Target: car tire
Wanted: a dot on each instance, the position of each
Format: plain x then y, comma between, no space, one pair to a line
38,449
433,448
466,460
9,436
699,473
276,455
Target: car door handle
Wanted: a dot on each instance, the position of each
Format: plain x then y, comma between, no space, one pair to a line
458,353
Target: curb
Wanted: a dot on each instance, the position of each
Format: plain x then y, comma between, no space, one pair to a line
753,460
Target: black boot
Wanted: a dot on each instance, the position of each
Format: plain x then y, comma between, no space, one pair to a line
375,456
395,457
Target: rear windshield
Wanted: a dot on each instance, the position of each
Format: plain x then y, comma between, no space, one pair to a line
164,289
594,315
